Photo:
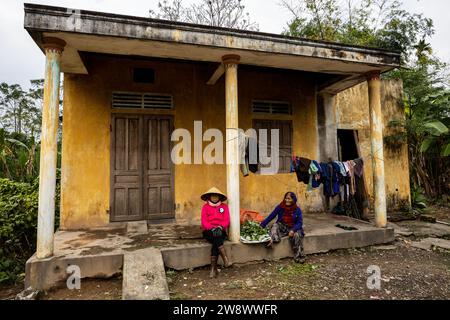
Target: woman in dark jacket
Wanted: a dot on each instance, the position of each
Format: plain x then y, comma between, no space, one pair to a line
289,223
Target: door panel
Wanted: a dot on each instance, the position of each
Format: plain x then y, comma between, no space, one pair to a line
126,173
141,169
158,172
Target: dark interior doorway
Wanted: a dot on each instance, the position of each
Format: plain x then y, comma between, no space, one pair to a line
347,146
355,205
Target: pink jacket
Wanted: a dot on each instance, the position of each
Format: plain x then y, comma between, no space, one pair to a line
215,216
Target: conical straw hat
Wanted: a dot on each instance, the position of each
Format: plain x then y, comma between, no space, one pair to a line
214,190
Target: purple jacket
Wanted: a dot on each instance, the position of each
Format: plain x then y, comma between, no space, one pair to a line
279,212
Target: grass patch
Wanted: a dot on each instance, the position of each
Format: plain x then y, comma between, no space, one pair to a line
179,296
171,275
293,269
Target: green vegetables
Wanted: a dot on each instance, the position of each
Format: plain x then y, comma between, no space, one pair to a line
252,231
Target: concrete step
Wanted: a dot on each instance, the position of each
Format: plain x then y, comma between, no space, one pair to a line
144,276
197,255
137,227
429,243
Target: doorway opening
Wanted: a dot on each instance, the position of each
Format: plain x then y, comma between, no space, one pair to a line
354,204
142,174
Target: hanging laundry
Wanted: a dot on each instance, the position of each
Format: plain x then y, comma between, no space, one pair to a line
359,167
335,178
351,165
342,169
243,159
248,154
301,168
317,178
326,179
330,179
346,167
312,171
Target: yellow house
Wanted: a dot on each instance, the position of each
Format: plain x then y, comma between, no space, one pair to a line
129,82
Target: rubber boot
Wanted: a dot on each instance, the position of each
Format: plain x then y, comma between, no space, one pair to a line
223,254
213,273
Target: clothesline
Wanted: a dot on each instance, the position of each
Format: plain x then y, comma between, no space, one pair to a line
289,185
370,155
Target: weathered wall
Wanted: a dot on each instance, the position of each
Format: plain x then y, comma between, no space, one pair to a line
86,135
352,112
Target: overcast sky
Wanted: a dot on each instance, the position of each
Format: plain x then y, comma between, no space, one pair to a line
21,60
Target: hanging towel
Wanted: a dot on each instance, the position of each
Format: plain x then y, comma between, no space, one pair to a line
351,174
243,156
253,159
317,178
342,170
312,171
359,167
301,169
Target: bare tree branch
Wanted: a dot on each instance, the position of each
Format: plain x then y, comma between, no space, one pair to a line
218,13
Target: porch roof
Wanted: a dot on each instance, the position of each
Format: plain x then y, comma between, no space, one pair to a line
89,31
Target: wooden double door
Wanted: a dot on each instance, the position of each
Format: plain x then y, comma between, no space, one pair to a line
142,186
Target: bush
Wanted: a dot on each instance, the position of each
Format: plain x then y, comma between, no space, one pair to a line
18,221
18,225
418,200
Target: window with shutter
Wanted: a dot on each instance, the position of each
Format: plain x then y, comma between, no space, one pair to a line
285,140
141,100
271,107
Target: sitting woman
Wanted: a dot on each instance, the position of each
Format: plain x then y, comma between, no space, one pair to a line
289,223
215,221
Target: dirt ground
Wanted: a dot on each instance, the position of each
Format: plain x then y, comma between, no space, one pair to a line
406,273
441,213
8,292
91,289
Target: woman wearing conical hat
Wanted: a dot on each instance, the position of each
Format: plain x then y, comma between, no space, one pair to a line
215,221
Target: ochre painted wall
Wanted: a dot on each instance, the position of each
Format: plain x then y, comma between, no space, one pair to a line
85,189
352,110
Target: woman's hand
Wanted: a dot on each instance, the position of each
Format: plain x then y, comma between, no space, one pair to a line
291,233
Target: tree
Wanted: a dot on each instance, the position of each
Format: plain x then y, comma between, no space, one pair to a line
218,13
174,11
20,111
13,104
427,122
376,23
383,23
36,97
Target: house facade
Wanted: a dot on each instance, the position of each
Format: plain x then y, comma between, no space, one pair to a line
130,83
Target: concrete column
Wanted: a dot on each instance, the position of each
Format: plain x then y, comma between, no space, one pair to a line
327,135
47,169
327,126
232,144
376,136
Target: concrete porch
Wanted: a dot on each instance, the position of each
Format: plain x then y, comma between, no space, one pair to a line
100,253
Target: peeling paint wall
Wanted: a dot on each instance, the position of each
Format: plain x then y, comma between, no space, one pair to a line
86,133
352,112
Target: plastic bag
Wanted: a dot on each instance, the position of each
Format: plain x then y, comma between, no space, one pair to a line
248,215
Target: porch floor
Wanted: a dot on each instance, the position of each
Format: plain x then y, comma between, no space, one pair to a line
99,253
